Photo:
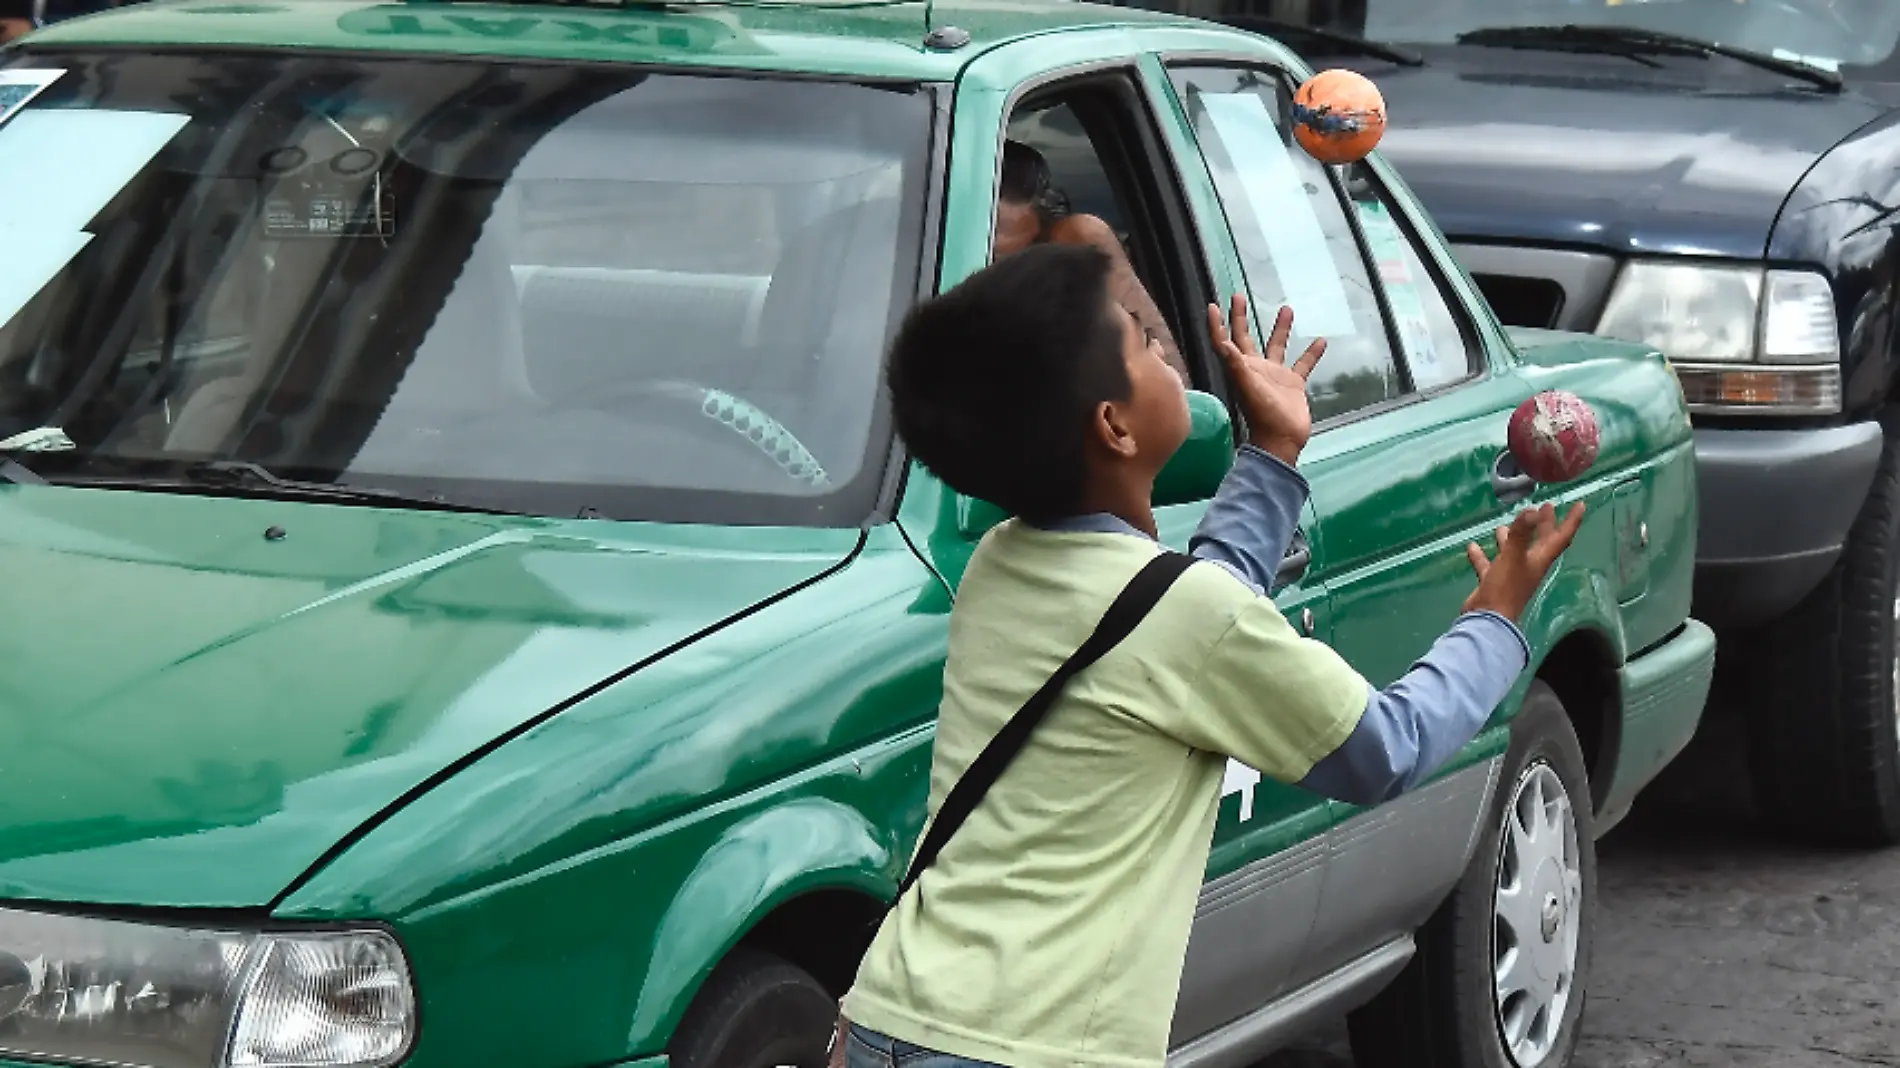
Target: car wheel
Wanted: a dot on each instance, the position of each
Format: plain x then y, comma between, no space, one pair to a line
1824,690
1498,978
757,1010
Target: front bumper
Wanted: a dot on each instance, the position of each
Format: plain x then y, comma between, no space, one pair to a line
1776,506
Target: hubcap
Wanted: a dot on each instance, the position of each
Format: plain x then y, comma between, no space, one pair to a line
1535,909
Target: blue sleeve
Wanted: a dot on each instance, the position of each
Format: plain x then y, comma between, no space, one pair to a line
1413,726
1251,520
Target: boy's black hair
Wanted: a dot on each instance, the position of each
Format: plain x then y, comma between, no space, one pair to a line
1026,179
994,383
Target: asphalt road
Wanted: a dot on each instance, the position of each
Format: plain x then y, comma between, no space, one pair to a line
1719,944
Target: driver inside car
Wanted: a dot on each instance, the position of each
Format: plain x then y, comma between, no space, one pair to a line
1030,210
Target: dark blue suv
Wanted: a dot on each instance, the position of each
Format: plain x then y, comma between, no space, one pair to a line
1721,179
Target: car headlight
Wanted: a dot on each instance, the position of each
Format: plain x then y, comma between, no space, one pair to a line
111,992
1741,339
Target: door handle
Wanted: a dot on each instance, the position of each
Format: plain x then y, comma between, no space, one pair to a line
1509,481
1298,554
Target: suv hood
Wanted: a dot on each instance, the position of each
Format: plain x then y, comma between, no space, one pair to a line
1553,148
192,714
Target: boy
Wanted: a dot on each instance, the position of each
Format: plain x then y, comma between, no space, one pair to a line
1052,930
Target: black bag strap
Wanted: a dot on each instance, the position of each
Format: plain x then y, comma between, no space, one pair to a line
1131,606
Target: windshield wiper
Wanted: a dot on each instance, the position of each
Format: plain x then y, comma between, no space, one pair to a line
1634,42
39,439
245,474
1334,42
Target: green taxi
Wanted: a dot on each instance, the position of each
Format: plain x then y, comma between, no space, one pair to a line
466,606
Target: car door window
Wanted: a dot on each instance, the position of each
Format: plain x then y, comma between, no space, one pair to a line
1296,241
1436,339
1105,169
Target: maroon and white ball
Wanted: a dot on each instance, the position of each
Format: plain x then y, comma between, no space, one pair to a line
1553,435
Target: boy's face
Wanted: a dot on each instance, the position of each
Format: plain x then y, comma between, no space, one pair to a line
1157,413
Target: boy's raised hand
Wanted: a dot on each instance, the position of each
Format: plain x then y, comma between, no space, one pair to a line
1272,394
1526,550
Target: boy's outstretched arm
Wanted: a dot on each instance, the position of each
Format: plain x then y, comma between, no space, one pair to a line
1413,726
1294,709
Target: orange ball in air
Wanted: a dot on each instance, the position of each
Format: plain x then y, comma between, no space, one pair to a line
1338,116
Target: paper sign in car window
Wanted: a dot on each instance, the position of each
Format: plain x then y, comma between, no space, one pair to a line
60,168
17,87
1282,208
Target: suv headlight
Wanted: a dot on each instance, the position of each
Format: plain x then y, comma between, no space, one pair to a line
1741,339
95,991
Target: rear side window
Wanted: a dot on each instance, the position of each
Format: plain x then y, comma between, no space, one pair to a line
1437,340
1297,243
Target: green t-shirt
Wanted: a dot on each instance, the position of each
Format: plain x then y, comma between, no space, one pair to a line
1052,930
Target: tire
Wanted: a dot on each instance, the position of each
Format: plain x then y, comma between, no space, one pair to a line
1824,741
757,1010
1443,1010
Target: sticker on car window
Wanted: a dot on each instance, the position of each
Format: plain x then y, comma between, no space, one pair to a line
1387,243
18,87
1278,197
63,167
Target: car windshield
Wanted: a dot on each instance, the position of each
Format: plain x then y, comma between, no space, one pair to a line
1825,33
558,290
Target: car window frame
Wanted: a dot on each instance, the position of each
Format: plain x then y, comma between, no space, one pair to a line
897,465
1430,254
1160,202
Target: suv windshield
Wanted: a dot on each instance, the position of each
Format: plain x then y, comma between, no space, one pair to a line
559,290
1825,33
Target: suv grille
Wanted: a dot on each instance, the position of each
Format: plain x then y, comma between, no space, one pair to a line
1522,301
1555,289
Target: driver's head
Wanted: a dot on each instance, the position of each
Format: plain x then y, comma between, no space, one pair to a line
1028,386
16,19
1026,200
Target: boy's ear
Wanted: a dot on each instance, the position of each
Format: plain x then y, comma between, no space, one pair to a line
1113,431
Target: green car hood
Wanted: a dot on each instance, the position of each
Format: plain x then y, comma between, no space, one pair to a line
192,713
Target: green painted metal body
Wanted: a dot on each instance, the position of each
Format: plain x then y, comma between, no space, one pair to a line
572,763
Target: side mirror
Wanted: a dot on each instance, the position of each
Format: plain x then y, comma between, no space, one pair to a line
1194,473
1196,470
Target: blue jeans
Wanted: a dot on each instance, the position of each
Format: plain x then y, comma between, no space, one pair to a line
865,1048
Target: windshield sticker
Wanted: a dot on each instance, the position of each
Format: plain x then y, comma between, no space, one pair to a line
34,256
326,213
1297,245
17,87
64,167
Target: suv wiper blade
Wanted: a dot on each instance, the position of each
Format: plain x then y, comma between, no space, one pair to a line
1337,43
1633,41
